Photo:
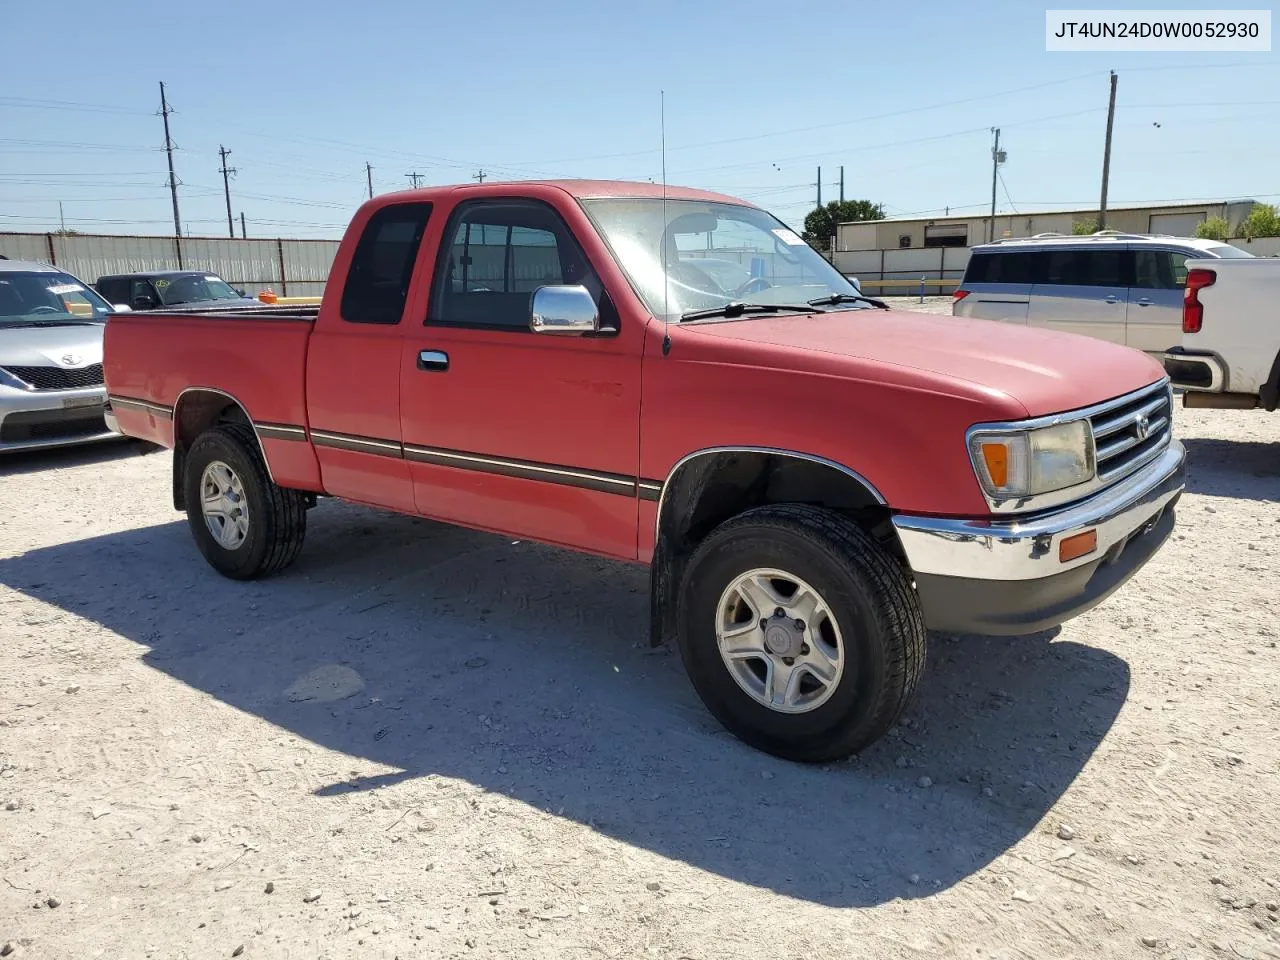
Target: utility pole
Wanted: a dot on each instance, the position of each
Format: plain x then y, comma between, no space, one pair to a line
61,219
227,173
244,234
842,183
819,188
479,176
168,148
368,172
1106,155
414,178
995,172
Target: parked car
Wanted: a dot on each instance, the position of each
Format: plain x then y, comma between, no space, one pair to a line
1230,350
1125,288
51,389
172,289
812,478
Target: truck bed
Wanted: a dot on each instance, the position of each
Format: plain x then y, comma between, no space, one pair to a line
256,357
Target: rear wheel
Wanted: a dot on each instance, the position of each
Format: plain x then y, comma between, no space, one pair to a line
801,634
245,525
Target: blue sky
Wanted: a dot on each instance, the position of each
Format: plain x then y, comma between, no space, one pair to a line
757,96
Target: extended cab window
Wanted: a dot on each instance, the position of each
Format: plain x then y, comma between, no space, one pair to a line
382,267
495,254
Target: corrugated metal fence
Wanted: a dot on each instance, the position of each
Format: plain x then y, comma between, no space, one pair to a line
292,268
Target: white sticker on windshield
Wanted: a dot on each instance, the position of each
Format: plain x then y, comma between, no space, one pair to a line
213,278
61,288
788,237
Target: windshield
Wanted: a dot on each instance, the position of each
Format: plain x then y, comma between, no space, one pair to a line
47,298
194,288
715,254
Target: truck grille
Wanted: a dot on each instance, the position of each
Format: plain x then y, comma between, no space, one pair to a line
59,378
1132,432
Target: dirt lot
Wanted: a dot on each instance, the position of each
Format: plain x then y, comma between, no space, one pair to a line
428,742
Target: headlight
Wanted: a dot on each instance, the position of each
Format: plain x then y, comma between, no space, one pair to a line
1023,463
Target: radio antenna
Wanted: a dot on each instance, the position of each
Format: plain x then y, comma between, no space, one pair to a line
662,236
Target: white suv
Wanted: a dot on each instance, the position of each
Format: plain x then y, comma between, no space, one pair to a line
1122,287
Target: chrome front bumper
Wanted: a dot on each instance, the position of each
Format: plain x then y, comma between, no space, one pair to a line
1005,576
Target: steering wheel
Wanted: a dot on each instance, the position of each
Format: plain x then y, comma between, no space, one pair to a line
750,286
45,309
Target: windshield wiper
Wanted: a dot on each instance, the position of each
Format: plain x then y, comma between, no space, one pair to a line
832,299
737,308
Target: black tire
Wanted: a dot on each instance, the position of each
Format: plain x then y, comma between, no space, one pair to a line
277,517
870,598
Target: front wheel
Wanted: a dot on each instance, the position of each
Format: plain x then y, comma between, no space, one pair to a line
802,635
245,525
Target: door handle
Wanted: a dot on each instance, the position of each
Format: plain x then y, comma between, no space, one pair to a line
1112,298
433,360
1144,302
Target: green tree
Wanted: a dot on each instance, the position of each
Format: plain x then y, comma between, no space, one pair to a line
1215,228
1082,228
820,224
1263,221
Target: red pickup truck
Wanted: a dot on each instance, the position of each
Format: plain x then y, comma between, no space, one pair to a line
676,379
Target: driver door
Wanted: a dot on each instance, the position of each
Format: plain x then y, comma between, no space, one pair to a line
508,430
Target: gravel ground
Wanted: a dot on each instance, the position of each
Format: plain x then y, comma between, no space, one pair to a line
429,742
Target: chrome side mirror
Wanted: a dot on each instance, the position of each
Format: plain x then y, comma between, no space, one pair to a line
565,310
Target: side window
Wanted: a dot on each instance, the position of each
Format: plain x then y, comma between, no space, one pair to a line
142,290
1106,268
1153,269
1178,265
382,266
1064,268
1089,268
496,254
979,268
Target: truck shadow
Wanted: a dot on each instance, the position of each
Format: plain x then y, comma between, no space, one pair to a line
525,671
1240,469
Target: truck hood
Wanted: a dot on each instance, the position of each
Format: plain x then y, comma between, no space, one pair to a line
1043,370
51,346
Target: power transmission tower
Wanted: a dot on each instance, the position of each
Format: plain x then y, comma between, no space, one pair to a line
168,148
997,158
227,174
414,178
368,171
1106,155
479,176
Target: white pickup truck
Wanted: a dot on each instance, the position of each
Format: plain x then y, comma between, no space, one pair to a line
1230,352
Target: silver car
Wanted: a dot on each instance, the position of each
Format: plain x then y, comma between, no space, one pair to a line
1126,288
51,386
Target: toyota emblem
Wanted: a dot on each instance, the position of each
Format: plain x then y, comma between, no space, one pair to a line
71,359
1143,425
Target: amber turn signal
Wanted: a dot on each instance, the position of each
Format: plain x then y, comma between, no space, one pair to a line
1077,546
996,457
